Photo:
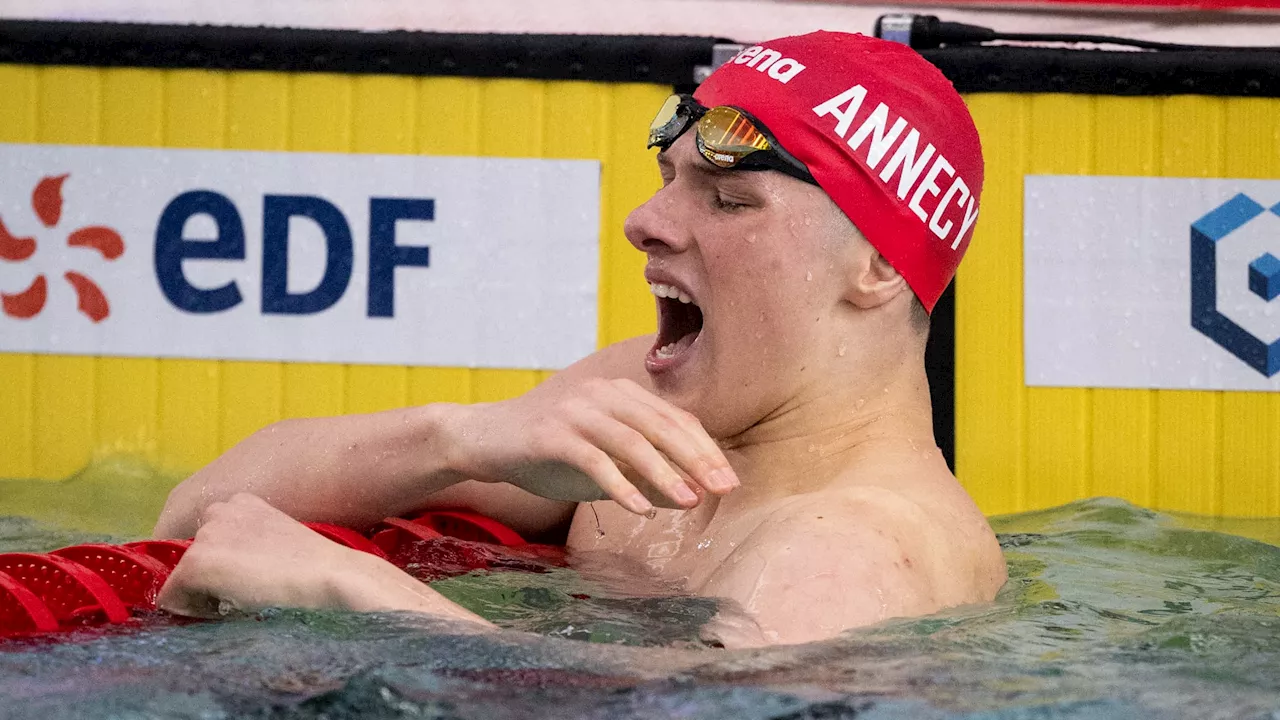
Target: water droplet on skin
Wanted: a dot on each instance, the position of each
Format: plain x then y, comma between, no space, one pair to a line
842,350
808,277
704,544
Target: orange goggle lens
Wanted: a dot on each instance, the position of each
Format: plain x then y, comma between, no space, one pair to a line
726,136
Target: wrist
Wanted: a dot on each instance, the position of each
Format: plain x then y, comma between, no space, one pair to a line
442,427
375,585
366,583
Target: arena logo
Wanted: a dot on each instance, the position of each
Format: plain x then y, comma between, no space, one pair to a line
764,60
1207,234
46,203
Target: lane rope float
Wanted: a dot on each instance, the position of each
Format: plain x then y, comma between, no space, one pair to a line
97,584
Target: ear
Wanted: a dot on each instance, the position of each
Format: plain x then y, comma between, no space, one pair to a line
873,281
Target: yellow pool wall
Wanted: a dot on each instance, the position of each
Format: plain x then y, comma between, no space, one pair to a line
1017,448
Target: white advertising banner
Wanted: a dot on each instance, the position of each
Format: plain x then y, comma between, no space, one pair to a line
406,260
1135,282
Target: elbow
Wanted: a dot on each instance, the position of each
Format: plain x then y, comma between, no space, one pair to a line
177,517
216,481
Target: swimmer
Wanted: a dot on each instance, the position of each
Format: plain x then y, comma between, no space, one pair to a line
772,444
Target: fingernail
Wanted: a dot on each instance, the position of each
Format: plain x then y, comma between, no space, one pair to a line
684,494
640,504
725,479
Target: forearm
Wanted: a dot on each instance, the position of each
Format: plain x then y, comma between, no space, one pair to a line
382,587
351,470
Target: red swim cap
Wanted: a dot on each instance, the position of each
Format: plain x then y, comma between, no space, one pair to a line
883,132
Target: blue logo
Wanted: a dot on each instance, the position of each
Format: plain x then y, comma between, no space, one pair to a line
385,255
1264,281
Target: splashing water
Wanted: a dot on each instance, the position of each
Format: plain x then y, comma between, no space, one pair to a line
1111,611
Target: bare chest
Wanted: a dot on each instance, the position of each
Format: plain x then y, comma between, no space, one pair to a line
682,547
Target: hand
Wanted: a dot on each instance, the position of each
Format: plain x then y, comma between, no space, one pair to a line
584,440
248,556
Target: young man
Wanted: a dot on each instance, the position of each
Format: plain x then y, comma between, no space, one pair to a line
781,413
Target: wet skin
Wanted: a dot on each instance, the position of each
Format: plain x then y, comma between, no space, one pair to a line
790,441
847,512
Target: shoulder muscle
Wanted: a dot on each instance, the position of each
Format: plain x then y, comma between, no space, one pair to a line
813,571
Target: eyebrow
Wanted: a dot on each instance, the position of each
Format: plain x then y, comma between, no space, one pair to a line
702,168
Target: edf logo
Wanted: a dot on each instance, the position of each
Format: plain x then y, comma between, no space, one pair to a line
172,247
429,261
1263,280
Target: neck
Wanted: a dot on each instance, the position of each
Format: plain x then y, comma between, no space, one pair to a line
828,430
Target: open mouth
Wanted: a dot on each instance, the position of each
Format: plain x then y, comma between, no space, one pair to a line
679,322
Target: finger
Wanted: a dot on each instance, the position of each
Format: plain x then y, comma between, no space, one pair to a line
677,434
194,605
656,496
628,445
601,469
180,596
681,436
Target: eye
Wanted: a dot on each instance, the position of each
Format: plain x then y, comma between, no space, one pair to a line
726,205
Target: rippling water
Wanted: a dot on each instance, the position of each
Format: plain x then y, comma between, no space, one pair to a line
1111,611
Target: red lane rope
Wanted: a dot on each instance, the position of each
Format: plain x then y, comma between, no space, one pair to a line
22,611
135,578
97,584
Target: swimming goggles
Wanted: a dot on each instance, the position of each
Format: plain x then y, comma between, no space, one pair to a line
726,136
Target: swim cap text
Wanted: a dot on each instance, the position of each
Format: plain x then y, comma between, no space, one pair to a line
876,136
782,69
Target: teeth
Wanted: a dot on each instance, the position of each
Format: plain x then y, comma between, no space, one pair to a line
667,351
670,291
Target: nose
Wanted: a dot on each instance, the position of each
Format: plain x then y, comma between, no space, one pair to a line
655,227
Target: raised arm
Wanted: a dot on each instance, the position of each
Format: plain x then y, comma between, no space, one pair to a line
352,470
569,440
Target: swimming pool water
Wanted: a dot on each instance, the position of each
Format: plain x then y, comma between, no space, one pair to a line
1111,611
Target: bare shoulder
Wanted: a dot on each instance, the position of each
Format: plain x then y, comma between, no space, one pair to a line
817,567
826,562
